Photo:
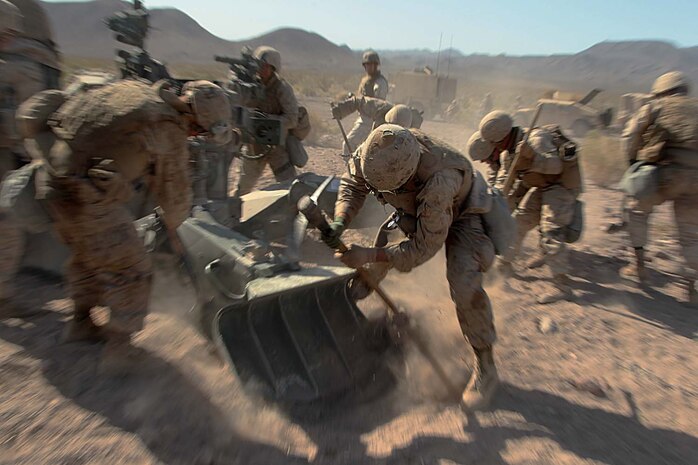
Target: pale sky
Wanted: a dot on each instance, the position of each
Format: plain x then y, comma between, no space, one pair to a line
514,27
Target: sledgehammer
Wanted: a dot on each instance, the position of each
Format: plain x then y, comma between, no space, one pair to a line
315,217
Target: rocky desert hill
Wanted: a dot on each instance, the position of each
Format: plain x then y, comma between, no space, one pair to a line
178,38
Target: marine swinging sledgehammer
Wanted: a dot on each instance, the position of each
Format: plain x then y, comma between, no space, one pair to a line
309,208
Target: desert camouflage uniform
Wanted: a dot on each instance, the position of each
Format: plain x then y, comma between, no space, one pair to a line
496,177
18,81
25,65
436,199
493,167
370,108
677,117
28,64
89,188
371,86
279,100
36,42
549,202
11,246
109,265
376,110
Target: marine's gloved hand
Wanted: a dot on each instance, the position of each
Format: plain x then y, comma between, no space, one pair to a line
357,256
331,237
344,108
525,149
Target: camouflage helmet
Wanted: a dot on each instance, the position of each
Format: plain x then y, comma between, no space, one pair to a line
670,81
268,55
211,108
389,157
401,115
478,148
10,18
495,126
370,57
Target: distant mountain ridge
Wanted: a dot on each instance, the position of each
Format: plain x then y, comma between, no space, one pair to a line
178,38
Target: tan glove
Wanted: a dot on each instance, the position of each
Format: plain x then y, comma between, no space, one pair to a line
357,256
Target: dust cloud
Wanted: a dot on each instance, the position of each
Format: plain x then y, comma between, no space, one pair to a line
424,295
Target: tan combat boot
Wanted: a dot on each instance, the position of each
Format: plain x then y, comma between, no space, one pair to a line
483,382
637,270
81,328
560,291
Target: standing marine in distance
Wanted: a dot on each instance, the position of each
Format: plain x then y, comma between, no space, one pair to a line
373,85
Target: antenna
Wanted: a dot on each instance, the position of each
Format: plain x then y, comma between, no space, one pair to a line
438,55
450,49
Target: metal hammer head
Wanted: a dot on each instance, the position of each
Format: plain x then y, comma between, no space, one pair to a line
309,208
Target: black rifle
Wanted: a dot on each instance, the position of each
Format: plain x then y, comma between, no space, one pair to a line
131,28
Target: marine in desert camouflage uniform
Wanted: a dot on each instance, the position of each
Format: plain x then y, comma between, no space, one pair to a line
99,145
555,182
664,133
480,150
29,63
378,111
485,152
10,235
429,182
373,85
279,99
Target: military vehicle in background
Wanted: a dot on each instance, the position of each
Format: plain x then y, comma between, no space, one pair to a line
424,90
572,114
629,105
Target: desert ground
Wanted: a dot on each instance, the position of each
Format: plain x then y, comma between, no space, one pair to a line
607,379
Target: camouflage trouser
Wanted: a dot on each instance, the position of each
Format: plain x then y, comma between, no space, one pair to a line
11,237
679,185
251,170
551,209
469,253
11,250
109,265
636,215
358,133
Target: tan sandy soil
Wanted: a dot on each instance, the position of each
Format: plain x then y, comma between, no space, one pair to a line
612,382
